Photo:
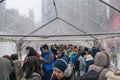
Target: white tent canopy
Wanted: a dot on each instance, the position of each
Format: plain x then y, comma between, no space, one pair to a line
59,19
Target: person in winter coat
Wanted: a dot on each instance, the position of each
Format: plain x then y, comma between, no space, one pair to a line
13,73
73,56
48,61
113,57
94,50
89,61
82,63
102,61
61,70
5,69
54,51
31,52
32,69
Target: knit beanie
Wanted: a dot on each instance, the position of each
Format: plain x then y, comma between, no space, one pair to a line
61,64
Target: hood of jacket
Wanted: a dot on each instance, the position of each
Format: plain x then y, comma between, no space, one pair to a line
102,59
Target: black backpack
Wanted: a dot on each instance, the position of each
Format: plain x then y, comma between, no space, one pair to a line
91,75
77,62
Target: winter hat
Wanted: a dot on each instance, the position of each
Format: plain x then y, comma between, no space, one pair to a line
61,63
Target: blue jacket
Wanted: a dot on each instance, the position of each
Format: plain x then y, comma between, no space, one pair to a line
73,58
48,66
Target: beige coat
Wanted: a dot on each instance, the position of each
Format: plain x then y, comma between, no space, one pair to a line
101,61
111,76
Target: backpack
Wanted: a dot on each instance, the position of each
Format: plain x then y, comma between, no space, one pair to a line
91,75
77,62
77,65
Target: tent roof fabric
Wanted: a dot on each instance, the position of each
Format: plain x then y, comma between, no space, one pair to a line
59,19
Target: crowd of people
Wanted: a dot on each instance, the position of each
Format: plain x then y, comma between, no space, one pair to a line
59,62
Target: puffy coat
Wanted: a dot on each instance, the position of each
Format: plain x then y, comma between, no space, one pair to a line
102,60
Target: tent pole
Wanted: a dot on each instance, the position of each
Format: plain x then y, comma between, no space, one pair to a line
75,27
55,8
109,5
40,27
